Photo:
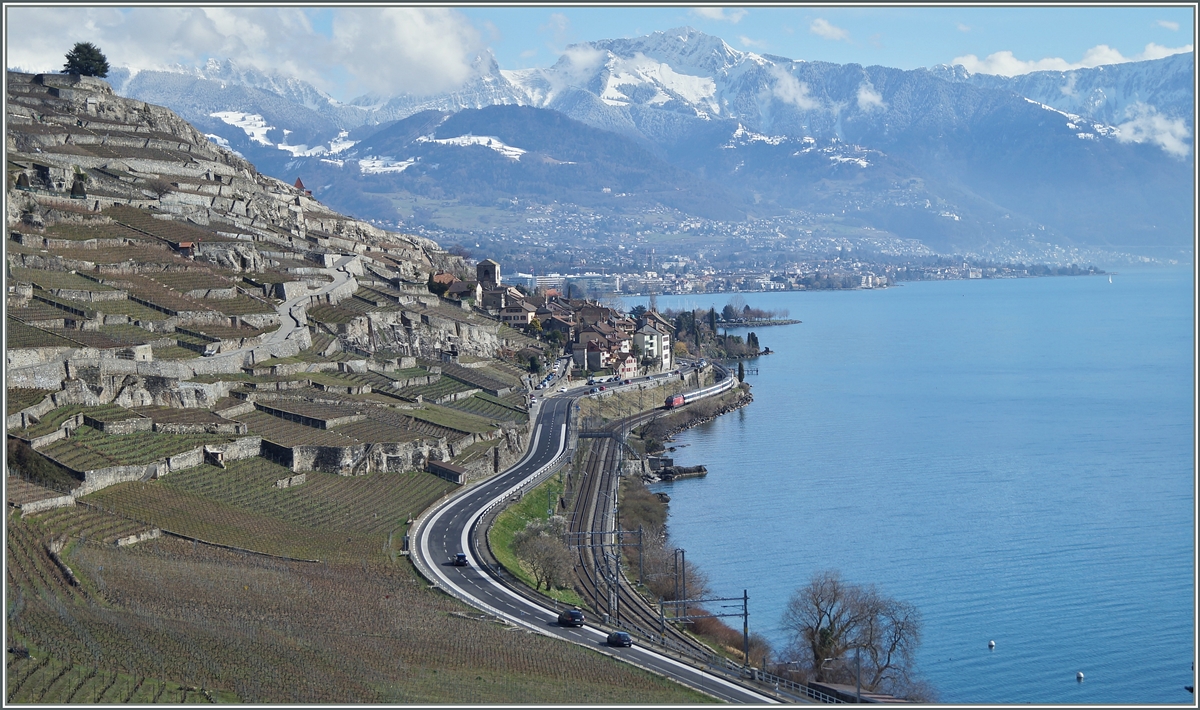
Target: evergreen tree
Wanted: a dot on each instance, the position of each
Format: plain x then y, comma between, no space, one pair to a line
741,372
86,59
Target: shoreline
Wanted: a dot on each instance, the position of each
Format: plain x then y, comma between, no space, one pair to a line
746,398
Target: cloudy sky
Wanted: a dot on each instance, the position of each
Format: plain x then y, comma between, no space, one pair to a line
391,49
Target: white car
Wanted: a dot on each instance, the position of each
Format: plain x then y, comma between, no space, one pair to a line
562,389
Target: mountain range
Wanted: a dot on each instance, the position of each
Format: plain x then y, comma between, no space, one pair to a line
1098,157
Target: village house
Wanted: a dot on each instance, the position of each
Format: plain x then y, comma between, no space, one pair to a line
517,315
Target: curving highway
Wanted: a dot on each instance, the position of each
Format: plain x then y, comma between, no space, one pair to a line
450,528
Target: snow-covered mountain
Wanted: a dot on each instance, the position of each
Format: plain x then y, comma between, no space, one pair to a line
1095,155
1112,94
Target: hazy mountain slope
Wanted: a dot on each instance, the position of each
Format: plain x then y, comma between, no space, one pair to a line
1099,156
1105,93
489,155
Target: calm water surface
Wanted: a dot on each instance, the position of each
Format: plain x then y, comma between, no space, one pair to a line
1015,457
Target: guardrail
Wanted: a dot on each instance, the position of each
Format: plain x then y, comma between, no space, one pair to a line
547,469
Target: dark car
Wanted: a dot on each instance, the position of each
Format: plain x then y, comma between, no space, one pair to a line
570,617
459,560
620,638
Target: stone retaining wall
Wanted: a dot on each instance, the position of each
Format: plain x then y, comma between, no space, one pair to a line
38,506
139,537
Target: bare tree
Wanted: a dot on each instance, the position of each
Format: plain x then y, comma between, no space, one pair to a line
830,618
541,547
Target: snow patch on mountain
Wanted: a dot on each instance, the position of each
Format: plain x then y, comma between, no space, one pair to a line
640,73
1074,122
508,151
253,124
376,165
744,136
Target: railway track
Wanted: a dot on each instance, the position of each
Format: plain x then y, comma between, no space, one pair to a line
598,570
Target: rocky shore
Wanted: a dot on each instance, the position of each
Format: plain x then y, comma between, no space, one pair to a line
697,415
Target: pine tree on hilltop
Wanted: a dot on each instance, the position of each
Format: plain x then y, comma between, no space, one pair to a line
86,59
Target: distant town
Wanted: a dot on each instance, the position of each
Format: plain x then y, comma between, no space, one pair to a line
666,252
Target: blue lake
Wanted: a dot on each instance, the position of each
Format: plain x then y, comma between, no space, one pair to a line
1015,457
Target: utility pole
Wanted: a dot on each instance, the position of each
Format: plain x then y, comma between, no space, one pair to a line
857,676
745,629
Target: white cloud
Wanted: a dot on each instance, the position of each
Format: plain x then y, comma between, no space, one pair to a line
963,28
1068,89
757,43
1146,124
577,65
822,28
791,90
1157,51
1173,26
719,14
559,25
1005,64
869,99
405,49
385,50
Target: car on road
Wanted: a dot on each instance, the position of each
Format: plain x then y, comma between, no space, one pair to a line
620,638
562,389
594,390
459,560
571,617
627,382
602,388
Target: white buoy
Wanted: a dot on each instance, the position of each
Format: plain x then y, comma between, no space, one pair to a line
991,644
1079,676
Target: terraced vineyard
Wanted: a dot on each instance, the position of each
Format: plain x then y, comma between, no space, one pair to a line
21,335
57,279
130,334
88,448
370,504
173,352
285,433
19,399
481,377
240,305
376,431
142,253
133,309
194,279
435,390
452,419
170,230
76,232
327,517
80,521
325,313
485,405
55,417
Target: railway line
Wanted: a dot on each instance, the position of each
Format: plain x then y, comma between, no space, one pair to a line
593,533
